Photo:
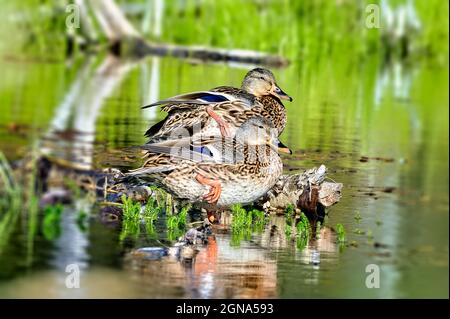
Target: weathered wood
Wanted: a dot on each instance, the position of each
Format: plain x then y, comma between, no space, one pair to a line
308,191
112,20
205,54
87,27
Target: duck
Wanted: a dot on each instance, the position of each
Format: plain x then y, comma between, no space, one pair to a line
217,172
222,109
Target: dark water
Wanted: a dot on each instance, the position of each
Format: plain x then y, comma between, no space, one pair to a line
380,127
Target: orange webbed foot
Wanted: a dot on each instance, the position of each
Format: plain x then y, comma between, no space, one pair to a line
215,188
225,129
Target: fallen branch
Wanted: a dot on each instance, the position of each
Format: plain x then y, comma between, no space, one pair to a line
204,54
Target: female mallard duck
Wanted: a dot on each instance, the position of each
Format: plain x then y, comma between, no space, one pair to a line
217,170
223,108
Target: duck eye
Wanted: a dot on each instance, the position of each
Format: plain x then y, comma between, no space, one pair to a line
260,126
277,90
261,78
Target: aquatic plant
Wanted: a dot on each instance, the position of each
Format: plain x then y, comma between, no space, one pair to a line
131,220
176,224
174,234
131,209
178,221
303,231
259,219
289,211
289,214
288,230
81,220
182,216
303,226
318,226
134,215
172,222
244,223
16,199
151,212
240,218
340,233
51,227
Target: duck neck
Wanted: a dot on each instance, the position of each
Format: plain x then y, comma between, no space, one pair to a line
276,110
264,155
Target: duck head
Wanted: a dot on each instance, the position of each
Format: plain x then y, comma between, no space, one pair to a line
261,82
259,131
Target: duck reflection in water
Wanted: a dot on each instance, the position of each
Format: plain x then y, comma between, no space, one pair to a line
220,270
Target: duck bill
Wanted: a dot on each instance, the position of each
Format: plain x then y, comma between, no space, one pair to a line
283,148
281,94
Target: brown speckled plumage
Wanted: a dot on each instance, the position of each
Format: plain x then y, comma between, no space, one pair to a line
274,110
243,182
187,113
246,172
243,170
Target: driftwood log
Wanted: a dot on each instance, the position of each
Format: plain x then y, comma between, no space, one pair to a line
308,191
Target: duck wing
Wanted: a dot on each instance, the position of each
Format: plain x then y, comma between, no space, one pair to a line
187,121
155,164
195,98
213,149
216,95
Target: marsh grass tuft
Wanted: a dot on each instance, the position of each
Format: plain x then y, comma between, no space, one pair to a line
131,212
245,222
16,199
176,224
151,214
318,226
289,211
289,214
82,220
179,220
303,231
134,215
341,237
51,224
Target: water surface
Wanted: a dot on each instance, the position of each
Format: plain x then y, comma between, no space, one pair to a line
380,127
